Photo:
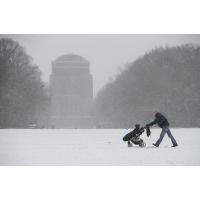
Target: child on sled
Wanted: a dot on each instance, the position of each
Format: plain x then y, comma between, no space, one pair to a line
133,137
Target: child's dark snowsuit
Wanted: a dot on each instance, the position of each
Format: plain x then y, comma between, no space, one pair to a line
134,136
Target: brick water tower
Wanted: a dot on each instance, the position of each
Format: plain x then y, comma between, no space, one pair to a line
71,90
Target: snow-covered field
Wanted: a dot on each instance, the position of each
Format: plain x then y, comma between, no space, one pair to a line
95,147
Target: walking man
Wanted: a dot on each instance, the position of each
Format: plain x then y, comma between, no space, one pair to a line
163,123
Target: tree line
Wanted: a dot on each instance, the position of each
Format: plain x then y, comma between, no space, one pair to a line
23,95
166,78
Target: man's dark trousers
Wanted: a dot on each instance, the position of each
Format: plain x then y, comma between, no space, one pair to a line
165,130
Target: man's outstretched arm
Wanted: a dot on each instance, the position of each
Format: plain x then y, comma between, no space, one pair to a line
152,123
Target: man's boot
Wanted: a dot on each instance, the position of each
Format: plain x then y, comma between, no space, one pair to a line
155,145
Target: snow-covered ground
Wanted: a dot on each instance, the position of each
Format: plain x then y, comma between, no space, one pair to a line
95,147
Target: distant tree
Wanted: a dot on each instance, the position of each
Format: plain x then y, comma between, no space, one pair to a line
22,93
165,78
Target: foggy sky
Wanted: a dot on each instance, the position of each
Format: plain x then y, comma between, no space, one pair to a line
105,52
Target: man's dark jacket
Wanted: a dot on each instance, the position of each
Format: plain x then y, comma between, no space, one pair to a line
160,120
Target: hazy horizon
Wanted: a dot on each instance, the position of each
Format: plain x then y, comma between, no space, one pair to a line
105,52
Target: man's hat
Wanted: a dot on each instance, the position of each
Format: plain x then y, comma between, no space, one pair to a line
155,110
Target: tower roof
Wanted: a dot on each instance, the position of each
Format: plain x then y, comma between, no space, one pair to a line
70,58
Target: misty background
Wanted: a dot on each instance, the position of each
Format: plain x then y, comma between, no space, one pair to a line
106,53
132,74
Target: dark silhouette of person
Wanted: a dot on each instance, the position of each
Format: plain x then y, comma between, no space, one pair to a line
163,123
134,136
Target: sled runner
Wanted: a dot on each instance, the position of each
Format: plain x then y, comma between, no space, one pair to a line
138,141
